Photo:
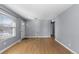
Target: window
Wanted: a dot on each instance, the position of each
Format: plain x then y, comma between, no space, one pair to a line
7,27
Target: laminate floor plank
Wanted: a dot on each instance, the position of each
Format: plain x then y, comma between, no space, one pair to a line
37,46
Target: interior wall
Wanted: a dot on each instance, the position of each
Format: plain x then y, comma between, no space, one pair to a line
36,28
7,42
23,23
67,28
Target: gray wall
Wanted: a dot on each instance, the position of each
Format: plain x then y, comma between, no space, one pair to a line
67,28
7,42
38,28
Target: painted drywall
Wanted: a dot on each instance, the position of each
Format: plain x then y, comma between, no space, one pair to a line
40,11
38,28
67,28
23,29
7,42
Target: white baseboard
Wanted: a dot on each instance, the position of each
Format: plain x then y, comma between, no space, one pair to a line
37,36
66,47
9,46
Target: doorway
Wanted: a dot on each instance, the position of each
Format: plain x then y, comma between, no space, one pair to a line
53,29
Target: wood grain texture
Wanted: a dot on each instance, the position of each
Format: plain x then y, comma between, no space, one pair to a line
37,46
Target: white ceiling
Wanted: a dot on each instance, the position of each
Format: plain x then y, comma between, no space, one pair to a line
38,11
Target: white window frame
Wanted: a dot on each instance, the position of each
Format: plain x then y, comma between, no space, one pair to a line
13,19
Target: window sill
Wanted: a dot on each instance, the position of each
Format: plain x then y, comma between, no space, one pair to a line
2,38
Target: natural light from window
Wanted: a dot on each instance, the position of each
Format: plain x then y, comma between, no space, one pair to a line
7,27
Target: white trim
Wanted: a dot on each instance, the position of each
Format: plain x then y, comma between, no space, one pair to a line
9,46
66,47
37,36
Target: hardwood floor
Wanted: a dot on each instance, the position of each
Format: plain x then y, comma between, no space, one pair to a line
37,46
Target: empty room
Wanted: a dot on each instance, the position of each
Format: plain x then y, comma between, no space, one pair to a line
39,28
